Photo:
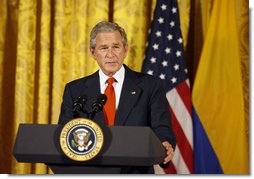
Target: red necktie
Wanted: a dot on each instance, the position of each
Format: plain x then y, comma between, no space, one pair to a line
110,106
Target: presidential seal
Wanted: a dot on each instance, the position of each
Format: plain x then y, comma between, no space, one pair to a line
81,139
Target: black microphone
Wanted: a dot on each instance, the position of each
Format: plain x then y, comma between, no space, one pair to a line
78,105
97,105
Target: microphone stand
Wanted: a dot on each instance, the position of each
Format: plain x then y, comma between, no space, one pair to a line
91,115
78,106
97,106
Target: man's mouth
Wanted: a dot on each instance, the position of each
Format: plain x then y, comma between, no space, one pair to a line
111,62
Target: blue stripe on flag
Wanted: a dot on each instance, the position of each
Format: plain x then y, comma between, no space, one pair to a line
205,159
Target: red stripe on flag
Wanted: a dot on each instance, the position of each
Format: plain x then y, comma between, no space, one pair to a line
184,92
171,169
182,142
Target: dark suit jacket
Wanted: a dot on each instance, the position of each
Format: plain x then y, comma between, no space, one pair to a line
147,107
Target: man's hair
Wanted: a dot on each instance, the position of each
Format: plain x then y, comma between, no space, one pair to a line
105,26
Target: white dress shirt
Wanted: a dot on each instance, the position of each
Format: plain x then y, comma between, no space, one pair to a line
119,77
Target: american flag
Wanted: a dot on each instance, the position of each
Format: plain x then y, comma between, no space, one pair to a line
164,58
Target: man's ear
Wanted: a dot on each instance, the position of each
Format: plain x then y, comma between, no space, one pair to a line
92,51
126,47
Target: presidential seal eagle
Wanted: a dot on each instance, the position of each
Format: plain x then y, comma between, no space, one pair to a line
81,139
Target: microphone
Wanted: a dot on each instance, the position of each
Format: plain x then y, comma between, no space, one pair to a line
97,105
78,105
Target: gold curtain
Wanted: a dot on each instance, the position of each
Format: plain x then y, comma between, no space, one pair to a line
45,44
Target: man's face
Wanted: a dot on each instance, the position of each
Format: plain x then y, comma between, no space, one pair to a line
109,52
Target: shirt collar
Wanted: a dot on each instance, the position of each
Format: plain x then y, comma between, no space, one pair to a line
119,75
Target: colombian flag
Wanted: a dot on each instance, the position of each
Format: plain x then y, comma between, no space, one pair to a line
218,96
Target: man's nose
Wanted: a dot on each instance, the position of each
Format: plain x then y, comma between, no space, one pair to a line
110,52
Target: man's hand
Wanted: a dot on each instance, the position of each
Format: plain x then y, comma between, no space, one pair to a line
170,152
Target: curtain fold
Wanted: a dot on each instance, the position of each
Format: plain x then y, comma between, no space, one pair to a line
184,12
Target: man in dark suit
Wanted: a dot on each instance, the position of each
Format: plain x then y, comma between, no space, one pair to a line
140,99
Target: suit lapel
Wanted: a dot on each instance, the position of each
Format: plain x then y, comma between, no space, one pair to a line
129,95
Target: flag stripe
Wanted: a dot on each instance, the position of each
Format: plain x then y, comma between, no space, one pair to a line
184,92
178,161
182,114
183,144
205,159
171,169
158,169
